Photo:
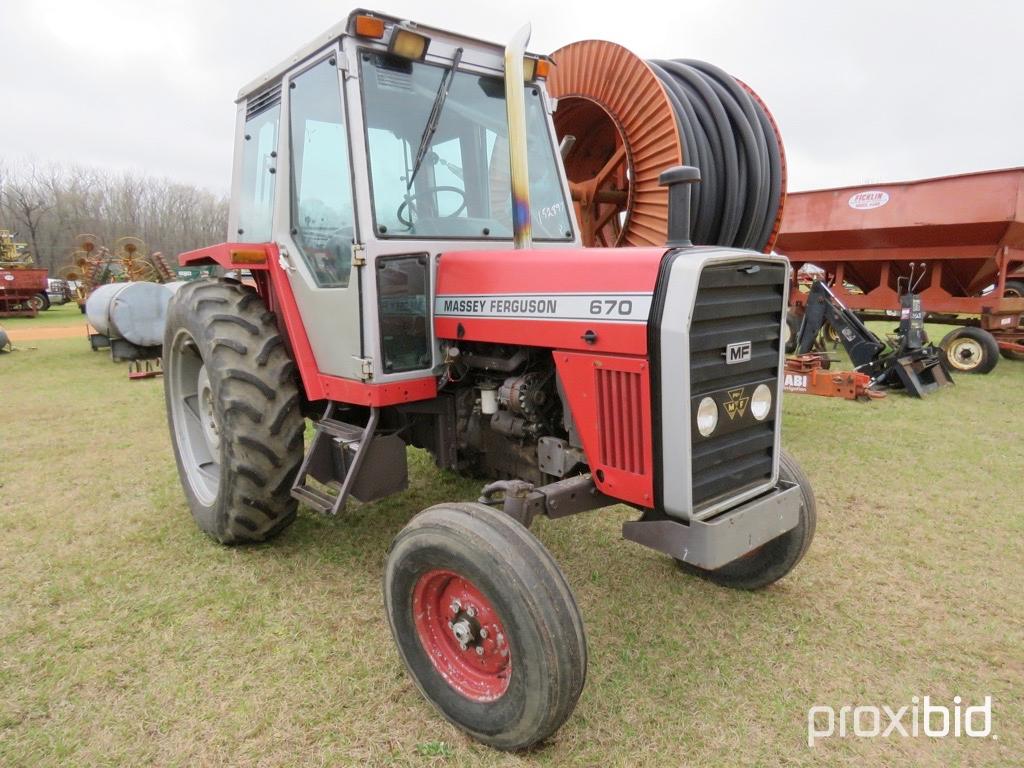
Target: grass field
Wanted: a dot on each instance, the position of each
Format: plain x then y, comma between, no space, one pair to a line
62,315
127,638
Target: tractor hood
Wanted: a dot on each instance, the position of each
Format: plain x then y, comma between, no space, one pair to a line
595,299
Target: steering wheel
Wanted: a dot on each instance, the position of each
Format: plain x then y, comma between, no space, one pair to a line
407,203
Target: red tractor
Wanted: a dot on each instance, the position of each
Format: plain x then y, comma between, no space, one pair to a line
414,285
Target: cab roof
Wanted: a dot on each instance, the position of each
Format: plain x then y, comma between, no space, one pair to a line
338,31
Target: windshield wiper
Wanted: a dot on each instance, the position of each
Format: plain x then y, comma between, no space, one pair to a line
435,116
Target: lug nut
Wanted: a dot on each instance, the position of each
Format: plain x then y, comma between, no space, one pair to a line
471,611
479,650
483,632
455,606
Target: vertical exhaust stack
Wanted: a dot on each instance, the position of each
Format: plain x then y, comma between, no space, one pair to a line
679,181
515,105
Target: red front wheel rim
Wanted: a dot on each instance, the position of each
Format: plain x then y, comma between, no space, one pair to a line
462,635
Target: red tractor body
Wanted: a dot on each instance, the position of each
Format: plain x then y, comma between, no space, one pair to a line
381,207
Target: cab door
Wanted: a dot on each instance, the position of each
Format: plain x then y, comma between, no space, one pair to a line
316,221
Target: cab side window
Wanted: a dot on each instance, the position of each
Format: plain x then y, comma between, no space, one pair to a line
321,189
259,161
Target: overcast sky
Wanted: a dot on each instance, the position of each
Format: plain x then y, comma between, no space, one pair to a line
864,90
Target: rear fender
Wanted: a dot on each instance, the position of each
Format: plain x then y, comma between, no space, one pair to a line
268,272
252,256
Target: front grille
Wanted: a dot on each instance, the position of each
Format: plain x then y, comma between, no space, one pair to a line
620,420
735,303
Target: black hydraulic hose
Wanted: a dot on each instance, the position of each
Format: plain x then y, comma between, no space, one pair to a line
696,144
729,137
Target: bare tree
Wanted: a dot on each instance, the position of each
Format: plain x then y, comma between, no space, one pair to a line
50,205
25,197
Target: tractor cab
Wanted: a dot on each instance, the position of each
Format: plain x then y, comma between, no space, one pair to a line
388,144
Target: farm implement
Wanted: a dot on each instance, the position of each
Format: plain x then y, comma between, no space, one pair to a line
964,235
907,362
22,287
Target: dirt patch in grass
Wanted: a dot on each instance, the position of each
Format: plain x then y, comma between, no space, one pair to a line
126,637
39,334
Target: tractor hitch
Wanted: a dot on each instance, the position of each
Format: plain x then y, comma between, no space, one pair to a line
523,501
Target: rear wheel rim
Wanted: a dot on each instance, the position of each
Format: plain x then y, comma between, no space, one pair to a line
965,353
462,635
195,419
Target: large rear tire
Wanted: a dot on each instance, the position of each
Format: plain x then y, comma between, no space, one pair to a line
970,350
486,624
770,562
233,411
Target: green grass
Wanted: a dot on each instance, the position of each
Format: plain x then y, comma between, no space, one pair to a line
56,316
127,638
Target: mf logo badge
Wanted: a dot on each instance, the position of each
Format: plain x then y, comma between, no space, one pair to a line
738,353
737,403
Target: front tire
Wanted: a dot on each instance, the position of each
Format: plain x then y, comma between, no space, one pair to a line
40,302
486,624
970,350
233,411
770,562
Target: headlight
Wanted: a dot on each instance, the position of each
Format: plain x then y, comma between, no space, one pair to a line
761,402
707,416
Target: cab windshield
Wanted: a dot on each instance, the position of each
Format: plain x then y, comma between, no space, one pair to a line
463,187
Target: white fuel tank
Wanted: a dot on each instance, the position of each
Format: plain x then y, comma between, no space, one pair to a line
135,312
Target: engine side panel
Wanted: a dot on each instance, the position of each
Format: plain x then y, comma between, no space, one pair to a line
594,299
610,398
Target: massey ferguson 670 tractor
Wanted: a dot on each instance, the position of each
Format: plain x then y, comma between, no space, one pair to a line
402,207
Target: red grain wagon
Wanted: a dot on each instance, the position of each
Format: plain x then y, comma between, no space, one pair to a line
19,288
964,234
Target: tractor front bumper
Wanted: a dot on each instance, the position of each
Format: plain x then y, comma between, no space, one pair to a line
710,544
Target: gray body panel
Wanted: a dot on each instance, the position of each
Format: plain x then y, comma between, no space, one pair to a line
674,381
712,544
329,315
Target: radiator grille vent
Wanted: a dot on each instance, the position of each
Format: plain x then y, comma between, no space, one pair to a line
735,303
620,420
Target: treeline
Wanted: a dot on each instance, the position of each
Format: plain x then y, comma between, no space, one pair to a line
49,205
